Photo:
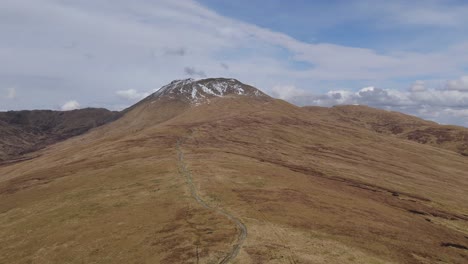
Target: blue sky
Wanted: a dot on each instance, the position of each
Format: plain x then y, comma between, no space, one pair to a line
408,56
349,23
308,21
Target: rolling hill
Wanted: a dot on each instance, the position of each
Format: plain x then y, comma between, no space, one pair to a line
453,138
23,132
215,171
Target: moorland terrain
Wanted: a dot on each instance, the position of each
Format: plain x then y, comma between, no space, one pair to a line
215,171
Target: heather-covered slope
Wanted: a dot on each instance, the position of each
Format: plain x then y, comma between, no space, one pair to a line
22,132
169,188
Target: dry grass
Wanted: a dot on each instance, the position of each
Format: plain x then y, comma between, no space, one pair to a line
403,126
309,190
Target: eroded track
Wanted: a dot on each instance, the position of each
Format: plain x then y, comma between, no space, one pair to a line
184,171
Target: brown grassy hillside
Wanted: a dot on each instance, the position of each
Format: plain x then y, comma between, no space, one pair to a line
454,138
169,187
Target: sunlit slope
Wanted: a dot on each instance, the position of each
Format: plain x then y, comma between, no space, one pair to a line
321,191
308,189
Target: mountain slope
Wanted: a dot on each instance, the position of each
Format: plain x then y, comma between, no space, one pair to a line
453,138
22,132
182,95
197,91
308,190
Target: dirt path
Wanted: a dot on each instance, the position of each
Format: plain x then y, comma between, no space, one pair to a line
183,170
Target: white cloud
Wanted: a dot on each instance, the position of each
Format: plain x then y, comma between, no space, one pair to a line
224,66
286,91
441,105
192,71
441,14
97,48
457,112
130,43
70,105
379,97
440,98
371,95
460,84
175,51
11,93
417,86
131,94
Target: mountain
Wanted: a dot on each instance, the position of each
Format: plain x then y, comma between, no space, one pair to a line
23,132
181,95
199,91
453,138
234,178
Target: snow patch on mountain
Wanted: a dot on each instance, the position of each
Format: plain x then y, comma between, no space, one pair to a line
197,91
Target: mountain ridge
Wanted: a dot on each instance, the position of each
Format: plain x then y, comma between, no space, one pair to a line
454,138
27,131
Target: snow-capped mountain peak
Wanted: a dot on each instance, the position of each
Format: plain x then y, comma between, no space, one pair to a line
197,91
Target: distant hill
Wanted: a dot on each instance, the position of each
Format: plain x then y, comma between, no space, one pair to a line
404,126
22,132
